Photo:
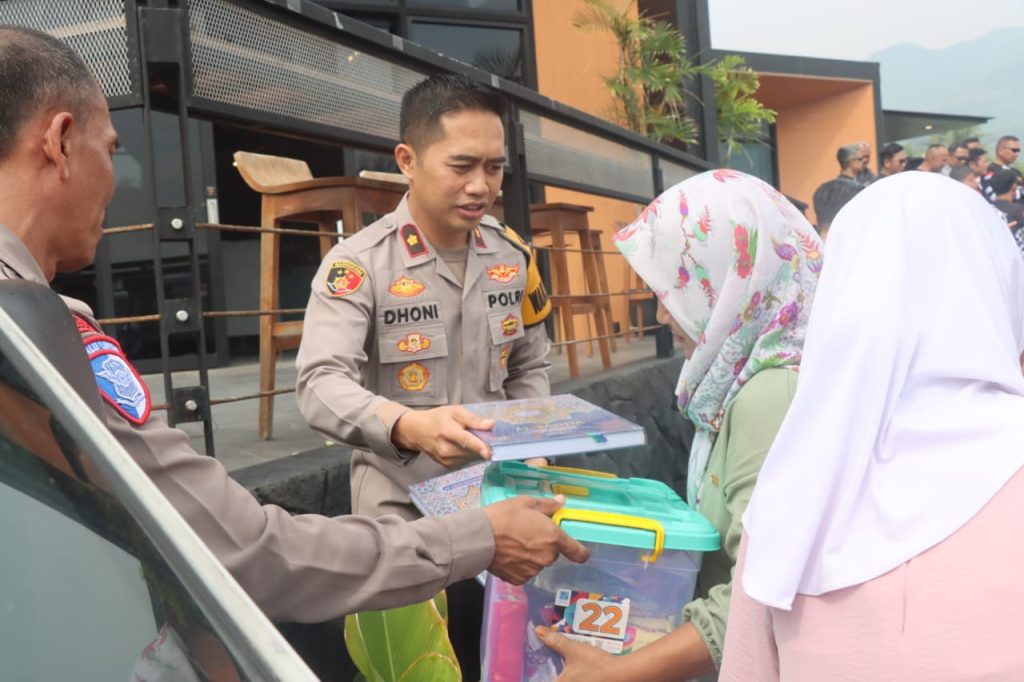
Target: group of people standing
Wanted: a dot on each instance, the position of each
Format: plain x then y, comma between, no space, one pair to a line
859,414
997,178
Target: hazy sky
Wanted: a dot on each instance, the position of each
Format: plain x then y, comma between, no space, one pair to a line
854,29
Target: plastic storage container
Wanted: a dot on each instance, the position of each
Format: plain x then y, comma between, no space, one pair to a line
646,547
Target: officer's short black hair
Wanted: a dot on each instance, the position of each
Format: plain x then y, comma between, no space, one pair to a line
887,152
38,71
1006,139
961,172
830,197
425,103
970,140
974,154
1002,181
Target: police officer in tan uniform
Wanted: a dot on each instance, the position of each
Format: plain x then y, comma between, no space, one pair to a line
56,178
434,305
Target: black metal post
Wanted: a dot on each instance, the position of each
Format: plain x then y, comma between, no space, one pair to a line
663,337
162,34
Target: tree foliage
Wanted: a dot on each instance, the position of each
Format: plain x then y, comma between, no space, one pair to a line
648,87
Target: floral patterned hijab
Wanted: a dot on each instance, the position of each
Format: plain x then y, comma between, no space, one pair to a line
735,264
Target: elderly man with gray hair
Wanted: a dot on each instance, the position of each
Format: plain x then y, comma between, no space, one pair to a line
852,162
866,176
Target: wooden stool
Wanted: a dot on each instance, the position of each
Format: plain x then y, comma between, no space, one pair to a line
291,193
556,221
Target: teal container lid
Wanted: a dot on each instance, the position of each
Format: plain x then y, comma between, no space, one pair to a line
589,495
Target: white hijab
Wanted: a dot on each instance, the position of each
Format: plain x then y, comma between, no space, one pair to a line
909,413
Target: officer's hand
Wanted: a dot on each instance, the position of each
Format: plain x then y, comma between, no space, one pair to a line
526,540
442,434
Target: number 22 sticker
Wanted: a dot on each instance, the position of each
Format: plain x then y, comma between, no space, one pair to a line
601,618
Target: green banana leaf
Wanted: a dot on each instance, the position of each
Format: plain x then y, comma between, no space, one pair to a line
403,645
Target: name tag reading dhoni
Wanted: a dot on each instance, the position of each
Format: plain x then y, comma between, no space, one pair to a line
408,314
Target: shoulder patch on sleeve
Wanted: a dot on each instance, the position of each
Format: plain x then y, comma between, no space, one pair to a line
344,277
118,381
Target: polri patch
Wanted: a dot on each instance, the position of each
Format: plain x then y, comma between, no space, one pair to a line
415,245
503,273
414,343
406,287
504,299
119,382
344,278
510,325
413,377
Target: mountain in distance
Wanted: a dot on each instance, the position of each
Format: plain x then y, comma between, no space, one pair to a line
980,77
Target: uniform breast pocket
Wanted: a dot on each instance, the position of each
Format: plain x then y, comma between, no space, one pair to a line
413,364
505,327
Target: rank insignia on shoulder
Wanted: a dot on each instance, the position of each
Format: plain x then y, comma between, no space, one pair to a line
510,325
413,377
503,273
414,343
119,382
406,287
344,278
414,243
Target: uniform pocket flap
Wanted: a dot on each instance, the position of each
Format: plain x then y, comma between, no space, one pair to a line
415,342
506,325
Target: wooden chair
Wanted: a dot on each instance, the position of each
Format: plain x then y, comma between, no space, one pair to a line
289,192
556,221
636,293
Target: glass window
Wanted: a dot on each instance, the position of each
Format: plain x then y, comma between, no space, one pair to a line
497,50
85,595
502,5
755,158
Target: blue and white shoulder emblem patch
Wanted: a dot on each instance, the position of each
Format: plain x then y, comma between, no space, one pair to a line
119,382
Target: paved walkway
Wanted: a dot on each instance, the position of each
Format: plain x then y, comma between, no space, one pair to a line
235,434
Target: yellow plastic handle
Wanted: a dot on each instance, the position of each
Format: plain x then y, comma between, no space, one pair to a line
574,470
620,520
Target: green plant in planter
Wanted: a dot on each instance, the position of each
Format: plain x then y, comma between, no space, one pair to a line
740,116
404,644
648,86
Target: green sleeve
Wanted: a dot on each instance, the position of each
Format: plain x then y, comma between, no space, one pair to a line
750,427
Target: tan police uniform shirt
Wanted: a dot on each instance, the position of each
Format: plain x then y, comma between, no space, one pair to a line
307,568
390,327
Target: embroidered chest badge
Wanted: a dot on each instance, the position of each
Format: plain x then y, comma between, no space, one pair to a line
414,343
344,278
406,287
413,240
413,377
510,325
119,382
503,273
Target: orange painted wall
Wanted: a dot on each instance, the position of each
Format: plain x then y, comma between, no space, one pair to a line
810,133
570,64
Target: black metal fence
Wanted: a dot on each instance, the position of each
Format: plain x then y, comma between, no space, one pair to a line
297,68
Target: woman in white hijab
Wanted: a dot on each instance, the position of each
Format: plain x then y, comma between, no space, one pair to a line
734,266
885,539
